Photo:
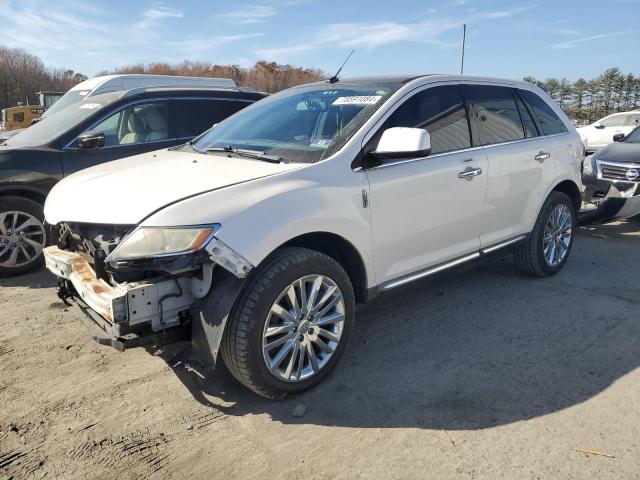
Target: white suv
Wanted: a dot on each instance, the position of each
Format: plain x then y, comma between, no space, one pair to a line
260,236
601,133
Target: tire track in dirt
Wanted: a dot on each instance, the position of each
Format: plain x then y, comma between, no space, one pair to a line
146,453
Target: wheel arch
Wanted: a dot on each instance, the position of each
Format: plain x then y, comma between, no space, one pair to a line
24,191
342,251
572,190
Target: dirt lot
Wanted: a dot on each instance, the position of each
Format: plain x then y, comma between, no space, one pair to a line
485,375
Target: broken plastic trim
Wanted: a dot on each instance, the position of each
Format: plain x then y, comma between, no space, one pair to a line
228,258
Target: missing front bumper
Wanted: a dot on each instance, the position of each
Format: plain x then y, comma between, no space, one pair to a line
153,305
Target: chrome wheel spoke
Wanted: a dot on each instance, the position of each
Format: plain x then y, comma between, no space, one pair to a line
313,359
13,258
303,328
3,227
329,319
557,235
29,222
36,245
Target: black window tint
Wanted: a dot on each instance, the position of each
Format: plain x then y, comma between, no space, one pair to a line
530,129
497,113
18,117
200,115
440,111
549,122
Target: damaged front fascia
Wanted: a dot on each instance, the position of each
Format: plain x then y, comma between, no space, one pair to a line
216,250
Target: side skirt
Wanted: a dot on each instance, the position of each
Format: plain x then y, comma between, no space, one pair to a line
463,262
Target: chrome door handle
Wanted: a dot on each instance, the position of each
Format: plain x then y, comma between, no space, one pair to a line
469,173
542,156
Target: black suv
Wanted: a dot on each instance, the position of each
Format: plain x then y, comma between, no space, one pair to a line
103,119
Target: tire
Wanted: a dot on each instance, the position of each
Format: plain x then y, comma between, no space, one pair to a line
246,334
28,242
530,257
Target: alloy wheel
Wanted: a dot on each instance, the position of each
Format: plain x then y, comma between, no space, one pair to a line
303,328
22,238
557,235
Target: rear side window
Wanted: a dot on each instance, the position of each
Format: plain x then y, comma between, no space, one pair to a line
440,111
548,122
200,115
497,113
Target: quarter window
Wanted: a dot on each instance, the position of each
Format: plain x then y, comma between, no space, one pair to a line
548,121
498,117
632,120
440,111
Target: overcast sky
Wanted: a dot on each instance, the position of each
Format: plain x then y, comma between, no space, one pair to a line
507,38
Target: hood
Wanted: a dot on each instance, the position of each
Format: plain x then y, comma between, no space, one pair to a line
622,152
128,190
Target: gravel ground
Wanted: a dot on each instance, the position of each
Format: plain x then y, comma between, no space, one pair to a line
487,375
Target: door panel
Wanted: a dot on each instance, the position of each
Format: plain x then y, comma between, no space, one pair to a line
74,159
516,182
423,214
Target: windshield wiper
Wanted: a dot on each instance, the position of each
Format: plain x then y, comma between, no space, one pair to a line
255,154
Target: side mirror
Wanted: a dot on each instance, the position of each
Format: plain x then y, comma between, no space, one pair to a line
91,140
618,137
599,126
402,142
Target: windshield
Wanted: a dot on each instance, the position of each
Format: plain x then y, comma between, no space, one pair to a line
51,127
304,125
633,137
68,99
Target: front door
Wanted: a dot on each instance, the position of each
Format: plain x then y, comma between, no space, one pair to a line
427,211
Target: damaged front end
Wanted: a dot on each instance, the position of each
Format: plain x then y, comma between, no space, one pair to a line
134,282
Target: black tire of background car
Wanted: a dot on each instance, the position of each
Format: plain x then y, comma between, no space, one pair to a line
31,207
605,211
529,258
242,340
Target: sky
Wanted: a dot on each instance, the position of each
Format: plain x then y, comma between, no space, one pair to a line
505,38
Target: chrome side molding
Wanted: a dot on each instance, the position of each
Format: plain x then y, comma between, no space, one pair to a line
450,264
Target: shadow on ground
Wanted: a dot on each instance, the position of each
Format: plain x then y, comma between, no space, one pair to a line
41,278
485,348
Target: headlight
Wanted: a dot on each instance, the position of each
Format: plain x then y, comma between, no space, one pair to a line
587,165
147,242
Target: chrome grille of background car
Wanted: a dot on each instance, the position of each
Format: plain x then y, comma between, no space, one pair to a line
618,172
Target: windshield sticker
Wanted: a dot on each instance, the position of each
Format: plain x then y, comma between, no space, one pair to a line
83,92
91,106
358,100
321,143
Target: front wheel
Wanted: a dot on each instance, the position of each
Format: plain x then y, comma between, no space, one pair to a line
22,235
291,323
548,246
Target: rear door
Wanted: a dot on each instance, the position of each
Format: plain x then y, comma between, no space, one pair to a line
520,166
196,115
422,212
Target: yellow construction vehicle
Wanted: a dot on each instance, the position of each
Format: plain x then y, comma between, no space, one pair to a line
24,115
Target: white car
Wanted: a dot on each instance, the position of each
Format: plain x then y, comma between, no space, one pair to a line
260,236
601,133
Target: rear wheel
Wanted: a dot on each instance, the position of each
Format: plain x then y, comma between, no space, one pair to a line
22,235
548,246
291,323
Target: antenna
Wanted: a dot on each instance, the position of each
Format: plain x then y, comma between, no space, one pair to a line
335,78
464,38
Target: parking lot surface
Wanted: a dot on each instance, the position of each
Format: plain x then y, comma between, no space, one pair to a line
484,375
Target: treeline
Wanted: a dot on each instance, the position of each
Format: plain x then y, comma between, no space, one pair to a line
23,74
264,76
586,101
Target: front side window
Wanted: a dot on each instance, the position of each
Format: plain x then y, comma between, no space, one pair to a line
200,115
441,112
498,117
141,123
302,124
547,119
